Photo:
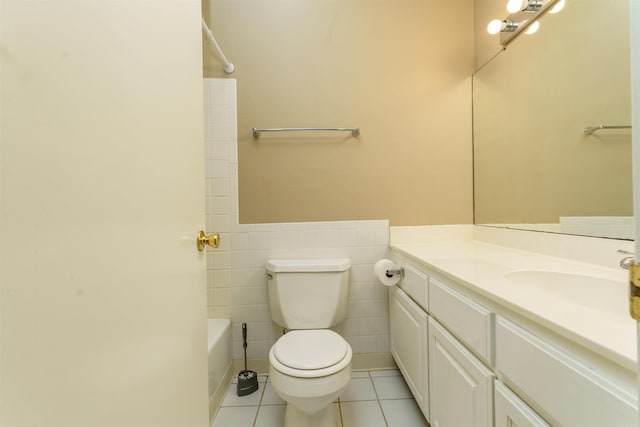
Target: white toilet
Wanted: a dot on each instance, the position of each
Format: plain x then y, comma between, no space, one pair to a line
310,366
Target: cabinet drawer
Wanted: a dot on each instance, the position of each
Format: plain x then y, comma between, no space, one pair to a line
563,389
469,321
416,284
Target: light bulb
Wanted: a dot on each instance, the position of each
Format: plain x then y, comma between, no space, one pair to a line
533,28
494,26
557,7
514,6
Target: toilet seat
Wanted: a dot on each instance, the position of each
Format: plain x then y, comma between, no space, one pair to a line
310,349
310,353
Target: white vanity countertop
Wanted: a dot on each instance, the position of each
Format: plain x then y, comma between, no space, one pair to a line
604,327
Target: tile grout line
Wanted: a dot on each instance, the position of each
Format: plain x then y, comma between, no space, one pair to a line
384,417
264,388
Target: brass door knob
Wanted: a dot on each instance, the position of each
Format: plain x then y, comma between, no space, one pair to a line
212,240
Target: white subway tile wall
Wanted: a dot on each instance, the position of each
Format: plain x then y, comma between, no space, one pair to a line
236,278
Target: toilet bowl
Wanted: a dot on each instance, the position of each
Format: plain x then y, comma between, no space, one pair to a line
310,369
309,366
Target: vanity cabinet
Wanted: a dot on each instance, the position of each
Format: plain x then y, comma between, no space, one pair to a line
470,361
461,387
408,333
510,411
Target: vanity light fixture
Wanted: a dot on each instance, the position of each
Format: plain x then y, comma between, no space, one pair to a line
523,17
515,6
497,26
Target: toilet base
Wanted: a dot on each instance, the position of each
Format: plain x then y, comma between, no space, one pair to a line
326,417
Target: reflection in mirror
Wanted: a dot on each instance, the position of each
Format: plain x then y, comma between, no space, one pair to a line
534,167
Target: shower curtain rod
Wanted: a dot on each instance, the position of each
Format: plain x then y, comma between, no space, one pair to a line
228,66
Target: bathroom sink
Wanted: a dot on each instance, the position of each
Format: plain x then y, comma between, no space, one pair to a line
590,291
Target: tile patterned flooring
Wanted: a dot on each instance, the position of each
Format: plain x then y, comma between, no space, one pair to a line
372,399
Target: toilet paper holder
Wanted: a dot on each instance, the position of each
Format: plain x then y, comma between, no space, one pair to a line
391,273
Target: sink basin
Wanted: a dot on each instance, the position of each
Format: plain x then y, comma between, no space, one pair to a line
590,291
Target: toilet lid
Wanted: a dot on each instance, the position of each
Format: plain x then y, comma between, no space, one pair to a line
310,349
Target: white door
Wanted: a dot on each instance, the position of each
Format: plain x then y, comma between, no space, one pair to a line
103,294
635,124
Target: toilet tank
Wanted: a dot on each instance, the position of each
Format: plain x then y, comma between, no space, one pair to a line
308,293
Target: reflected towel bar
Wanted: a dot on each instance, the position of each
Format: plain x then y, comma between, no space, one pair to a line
591,129
354,131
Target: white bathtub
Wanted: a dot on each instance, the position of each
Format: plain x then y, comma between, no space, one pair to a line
219,341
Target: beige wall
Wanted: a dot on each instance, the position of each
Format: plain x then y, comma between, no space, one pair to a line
398,69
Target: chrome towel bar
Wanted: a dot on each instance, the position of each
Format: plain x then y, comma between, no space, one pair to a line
257,131
591,129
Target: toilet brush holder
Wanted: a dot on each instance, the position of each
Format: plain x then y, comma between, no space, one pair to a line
247,380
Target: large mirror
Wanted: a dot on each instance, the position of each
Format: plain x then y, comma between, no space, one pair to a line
534,166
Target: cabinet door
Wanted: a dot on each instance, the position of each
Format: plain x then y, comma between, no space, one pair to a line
513,412
408,329
460,385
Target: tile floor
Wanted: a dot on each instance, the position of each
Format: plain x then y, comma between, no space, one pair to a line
372,399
